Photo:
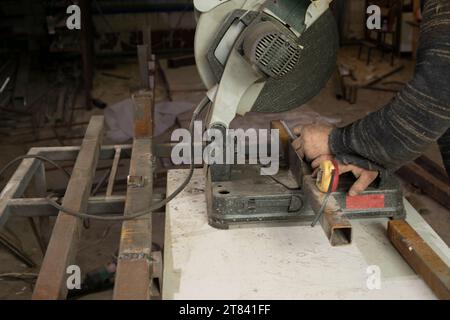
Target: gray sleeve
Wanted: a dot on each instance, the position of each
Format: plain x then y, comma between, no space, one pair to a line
418,115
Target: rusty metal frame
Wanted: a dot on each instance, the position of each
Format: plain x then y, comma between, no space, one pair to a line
11,198
134,271
135,268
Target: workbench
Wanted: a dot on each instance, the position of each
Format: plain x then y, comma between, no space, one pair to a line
287,261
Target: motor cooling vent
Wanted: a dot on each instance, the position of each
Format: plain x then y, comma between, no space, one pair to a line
276,55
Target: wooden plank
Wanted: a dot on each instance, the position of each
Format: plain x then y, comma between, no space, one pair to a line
427,182
134,263
61,251
419,255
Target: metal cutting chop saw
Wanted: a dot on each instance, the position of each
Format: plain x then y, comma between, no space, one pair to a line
267,56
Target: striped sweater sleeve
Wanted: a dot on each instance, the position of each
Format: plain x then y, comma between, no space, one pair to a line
418,116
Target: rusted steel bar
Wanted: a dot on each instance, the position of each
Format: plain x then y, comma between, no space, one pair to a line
337,228
143,104
61,251
134,263
421,257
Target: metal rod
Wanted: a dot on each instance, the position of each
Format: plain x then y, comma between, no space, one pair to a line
39,207
113,174
16,251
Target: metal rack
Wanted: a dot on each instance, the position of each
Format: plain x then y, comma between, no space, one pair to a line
135,262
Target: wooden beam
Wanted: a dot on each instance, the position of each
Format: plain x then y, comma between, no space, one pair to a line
62,249
421,257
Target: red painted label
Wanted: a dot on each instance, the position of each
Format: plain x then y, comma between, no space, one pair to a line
375,201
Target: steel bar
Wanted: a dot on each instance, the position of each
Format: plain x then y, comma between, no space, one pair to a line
40,190
143,101
71,153
17,184
421,257
336,226
144,57
100,184
113,173
134,264
39,207
17,252
61,251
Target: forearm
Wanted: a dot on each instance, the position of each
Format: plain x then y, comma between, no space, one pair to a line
419,114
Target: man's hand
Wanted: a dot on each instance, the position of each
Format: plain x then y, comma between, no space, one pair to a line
313,141
313,145
364,177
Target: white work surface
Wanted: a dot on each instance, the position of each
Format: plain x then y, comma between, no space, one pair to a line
281,261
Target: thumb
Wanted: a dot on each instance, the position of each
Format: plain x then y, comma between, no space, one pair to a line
364,181
298,130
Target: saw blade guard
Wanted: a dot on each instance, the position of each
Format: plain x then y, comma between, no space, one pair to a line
265,56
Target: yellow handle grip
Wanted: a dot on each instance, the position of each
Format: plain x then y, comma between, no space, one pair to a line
325,175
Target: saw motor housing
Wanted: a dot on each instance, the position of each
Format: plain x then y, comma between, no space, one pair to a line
265,56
